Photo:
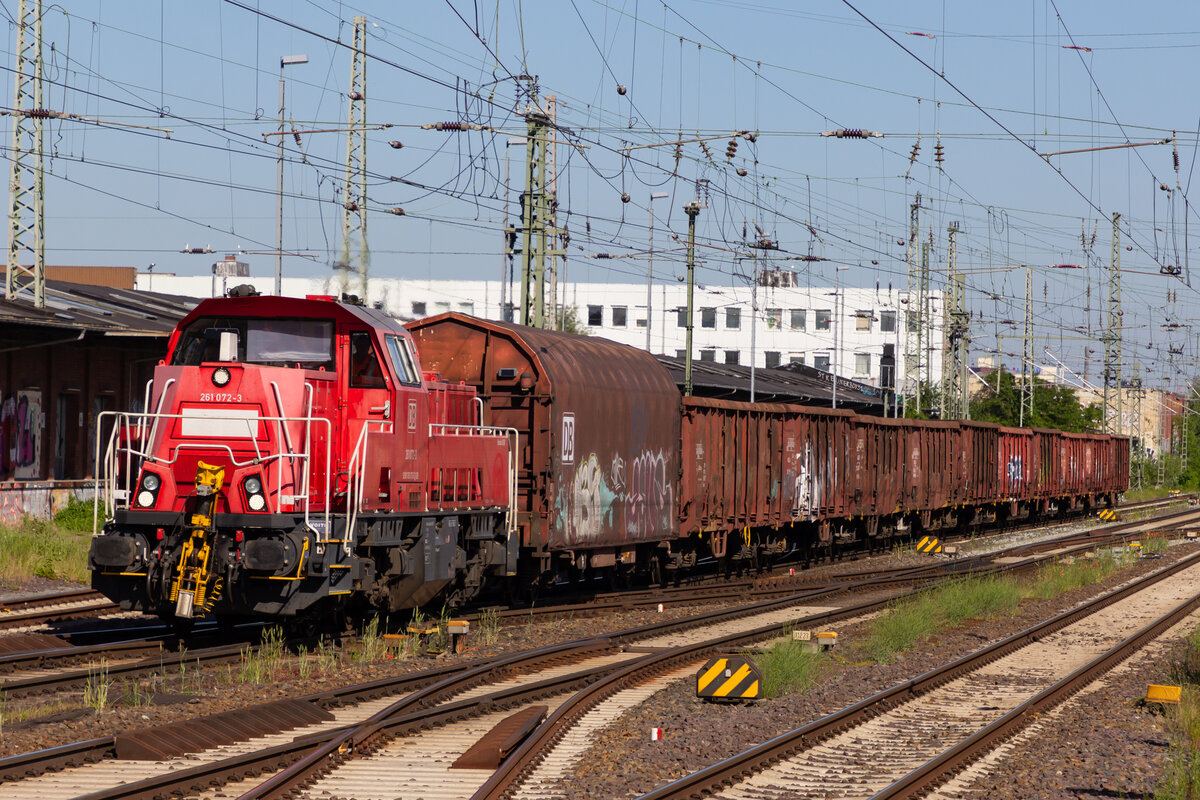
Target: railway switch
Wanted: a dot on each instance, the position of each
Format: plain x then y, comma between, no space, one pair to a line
733,678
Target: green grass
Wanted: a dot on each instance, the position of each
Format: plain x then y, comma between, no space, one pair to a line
1148,493
44,550
1156,543
908,621
98,686
1181,775
789,667
1054,579
77,516
261,666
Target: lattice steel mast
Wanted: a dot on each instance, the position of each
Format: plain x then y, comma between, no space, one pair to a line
957,338
354,196
26,186
1112,337
1027,353
912,316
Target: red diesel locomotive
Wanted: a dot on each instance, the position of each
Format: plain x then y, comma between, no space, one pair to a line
292,458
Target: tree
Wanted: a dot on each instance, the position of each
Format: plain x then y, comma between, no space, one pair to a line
1054,406
571,323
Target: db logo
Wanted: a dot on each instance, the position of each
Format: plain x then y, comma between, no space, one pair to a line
412,415
568,438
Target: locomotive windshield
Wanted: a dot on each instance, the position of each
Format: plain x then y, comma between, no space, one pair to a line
306,343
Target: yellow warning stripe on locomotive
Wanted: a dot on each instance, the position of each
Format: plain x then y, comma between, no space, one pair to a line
729,678
929,544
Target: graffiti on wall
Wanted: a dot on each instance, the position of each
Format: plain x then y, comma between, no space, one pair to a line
1015,469
629,499
38,500
807,483
21,427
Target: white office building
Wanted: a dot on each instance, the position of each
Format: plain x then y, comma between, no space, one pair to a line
846,329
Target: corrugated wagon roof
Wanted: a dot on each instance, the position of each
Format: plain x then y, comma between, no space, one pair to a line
790,384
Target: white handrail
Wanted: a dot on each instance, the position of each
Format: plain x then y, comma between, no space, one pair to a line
124,422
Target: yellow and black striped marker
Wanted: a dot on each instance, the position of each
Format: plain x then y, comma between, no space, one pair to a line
929,544
1108,515
729,678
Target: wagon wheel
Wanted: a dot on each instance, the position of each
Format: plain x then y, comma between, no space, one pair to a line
658,575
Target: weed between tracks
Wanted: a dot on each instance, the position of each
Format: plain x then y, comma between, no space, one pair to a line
96,690
790,666
952,604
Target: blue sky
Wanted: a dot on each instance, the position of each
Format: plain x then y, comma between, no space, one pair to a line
208,70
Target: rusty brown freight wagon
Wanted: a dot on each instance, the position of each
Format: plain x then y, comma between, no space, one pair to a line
599,433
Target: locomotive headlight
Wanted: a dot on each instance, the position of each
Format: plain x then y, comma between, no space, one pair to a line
220,376
253,487
147,494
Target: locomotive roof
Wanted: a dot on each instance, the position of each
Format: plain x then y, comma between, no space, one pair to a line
275,306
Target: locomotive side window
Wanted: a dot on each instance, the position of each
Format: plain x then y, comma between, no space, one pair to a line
365,369
403,361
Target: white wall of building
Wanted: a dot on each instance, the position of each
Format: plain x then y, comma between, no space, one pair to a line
791,324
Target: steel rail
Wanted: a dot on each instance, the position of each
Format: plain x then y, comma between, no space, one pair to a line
755,759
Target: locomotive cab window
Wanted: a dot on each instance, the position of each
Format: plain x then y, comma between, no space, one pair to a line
365,370
403,360
305,343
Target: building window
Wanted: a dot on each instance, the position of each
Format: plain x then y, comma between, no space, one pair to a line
681,353
618,316
821,362
708,355
733,356
774,318
772,359
418,309
914,322
862,363
862,320
823,317
595,316
641,322
441,308
708,318
798,319
733,318
887,321
467,308
682,320
796,358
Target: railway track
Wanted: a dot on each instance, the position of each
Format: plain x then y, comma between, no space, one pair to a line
37,664
906,740
35,612
361,708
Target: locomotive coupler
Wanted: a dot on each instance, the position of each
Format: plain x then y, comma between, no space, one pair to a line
195,586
